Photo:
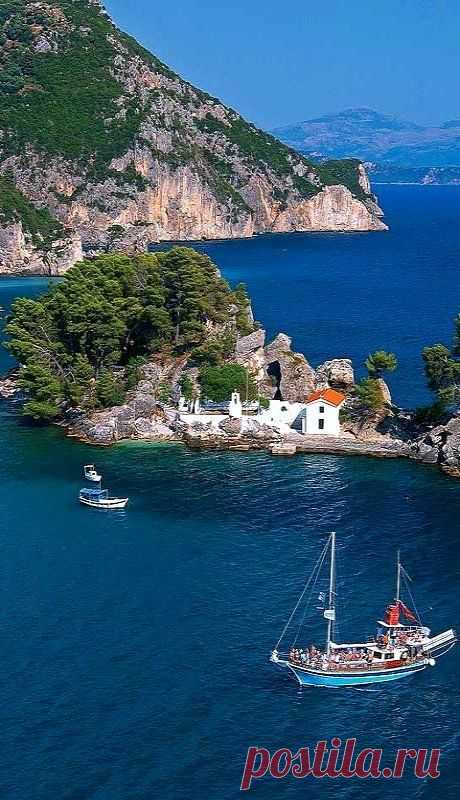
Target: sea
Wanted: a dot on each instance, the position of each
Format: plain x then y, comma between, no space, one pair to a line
135,645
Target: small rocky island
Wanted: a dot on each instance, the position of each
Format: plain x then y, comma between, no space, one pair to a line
159,347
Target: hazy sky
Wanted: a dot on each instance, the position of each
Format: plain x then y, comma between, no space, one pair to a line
281,61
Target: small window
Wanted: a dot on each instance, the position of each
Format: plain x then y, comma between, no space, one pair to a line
321,424
321,409
389,655
378,655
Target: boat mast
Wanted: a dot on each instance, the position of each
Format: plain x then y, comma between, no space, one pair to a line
331,609
398,576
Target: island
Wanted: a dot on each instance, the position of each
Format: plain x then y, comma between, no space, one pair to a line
159,347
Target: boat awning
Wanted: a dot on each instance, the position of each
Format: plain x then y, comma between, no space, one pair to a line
347,646
95,494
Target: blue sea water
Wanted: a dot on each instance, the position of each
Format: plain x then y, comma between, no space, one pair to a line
344,295
135,645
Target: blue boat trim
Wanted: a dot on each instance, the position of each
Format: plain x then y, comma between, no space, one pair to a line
397,651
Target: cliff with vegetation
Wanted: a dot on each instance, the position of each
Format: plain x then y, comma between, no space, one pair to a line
103,146
109,351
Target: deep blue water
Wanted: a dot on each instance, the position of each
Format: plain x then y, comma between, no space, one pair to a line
135,645
344,295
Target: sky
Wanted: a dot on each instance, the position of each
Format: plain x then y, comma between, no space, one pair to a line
282,61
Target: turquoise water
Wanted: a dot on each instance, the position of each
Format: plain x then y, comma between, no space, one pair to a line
135,645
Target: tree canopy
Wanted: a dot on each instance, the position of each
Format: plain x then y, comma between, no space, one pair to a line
218,383
369,392
442,368
80,343
379,362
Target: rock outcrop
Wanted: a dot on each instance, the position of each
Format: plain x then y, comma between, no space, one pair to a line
21,255
249,352
337,373
9,387
441,446
141,418
143,156
385,390
288,375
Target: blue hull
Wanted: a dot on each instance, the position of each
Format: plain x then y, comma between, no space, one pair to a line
338,681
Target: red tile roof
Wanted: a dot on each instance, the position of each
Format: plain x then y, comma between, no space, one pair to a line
328,395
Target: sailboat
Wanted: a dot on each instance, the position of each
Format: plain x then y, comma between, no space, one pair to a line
399,649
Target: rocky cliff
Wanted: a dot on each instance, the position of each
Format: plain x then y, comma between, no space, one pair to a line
115,151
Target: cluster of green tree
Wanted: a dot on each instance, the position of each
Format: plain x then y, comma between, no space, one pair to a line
218,383
442,369
83,342
369,390
343,171
62,101
256,145
14,207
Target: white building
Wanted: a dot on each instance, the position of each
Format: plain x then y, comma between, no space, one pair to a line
322,413
235,408
280,414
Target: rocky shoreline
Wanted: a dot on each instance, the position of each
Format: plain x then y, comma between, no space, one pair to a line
278,371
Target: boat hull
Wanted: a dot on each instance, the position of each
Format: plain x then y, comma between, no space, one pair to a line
107,504
337,681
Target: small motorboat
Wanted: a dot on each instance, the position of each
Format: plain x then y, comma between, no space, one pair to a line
91,474
99,498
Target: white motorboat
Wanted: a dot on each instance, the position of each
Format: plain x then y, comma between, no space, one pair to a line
91,474
99,498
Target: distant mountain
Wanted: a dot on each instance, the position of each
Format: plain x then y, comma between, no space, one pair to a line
366,134
393,173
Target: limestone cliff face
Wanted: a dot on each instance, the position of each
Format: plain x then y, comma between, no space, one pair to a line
126,153
20,255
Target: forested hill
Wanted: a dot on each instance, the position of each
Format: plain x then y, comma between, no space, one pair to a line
83,343
121,151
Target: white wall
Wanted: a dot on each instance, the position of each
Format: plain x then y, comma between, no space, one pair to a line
280,414
320,410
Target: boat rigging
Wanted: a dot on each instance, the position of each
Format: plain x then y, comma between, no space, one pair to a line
397,651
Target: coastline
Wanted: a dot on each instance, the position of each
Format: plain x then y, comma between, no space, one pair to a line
153,247
429,447
296,444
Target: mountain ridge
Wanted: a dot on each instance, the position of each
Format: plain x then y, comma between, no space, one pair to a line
371,136
120,151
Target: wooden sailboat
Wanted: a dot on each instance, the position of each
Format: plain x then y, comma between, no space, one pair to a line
398,650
